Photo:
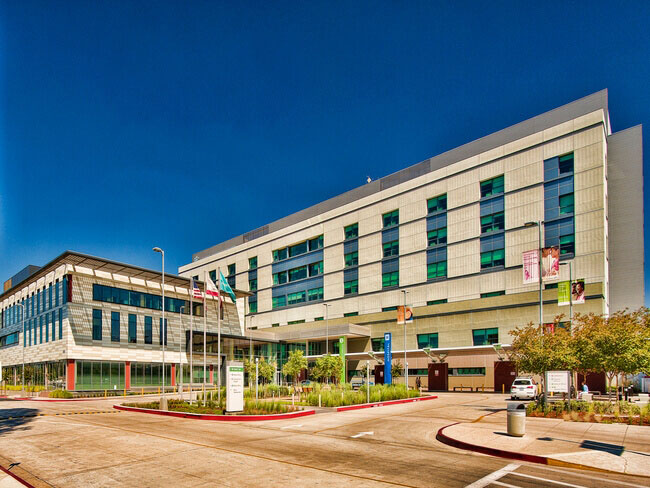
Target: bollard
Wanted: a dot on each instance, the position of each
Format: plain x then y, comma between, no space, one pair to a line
503,388
142,391
159,390
319,399
105,394
125,392
293,395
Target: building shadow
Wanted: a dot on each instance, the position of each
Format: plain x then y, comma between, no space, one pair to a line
16,419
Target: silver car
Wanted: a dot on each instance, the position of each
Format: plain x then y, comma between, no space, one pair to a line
523,389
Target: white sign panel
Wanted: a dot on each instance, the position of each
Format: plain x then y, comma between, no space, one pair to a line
558,381
234,386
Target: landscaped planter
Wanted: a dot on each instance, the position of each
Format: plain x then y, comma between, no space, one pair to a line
227,418
384,404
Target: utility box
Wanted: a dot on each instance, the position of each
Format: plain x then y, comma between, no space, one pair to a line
516,419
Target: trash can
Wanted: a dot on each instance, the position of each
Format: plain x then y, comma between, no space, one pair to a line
516,419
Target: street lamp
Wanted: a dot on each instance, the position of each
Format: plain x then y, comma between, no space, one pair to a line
163,329
180,351
23,317
250,348
406,365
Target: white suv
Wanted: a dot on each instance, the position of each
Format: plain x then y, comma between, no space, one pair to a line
523,388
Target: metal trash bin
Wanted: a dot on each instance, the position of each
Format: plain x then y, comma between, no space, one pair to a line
516,419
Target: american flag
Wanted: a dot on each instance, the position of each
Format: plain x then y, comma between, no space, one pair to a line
196,292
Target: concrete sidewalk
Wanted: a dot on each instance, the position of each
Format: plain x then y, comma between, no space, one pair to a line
619,448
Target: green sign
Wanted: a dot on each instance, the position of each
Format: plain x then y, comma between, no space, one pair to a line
564,293
236,368
342,350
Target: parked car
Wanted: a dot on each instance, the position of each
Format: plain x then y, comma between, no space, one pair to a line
523,389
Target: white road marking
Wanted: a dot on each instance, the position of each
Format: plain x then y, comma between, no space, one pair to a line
547,480
361,434
290,426
492,477
582,475
499,483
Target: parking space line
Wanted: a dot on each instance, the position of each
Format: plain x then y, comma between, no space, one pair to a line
555,482
582,475
493,477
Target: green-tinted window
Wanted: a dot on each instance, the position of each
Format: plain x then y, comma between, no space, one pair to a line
391,219
252,284
275,325
298,249
437,204
490,223
351,287
298,297
97,325
428,340
278,302
316,268
437,302
436,270
351,314
492,259
213,275
315,294
279,254
485,337
467,372
390,279
388,309
491,187
293,322
148,330
280,278
567,244
437,237
566,164
351,259
352,231
298,273
391,249
377,344
252,263
133,329
316,348
318,319
566,204
252,307
316,243
232,269
493,294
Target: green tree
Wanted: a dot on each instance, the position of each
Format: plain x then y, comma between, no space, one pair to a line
295,365
327,366
266,370
7,375
396,369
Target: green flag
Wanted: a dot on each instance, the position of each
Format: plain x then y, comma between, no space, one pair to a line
226,287
564,293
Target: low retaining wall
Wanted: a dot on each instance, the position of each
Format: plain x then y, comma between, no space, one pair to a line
227,418
384,404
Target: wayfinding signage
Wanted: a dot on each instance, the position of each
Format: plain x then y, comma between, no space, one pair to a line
234,386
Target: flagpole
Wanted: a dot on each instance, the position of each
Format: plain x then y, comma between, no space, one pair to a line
191,336
219,335
205,328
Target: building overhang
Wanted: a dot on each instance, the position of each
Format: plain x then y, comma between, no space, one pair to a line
422,353
318,332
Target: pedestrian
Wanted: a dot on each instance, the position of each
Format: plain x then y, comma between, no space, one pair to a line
418,382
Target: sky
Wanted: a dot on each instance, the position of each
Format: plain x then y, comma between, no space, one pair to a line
129,125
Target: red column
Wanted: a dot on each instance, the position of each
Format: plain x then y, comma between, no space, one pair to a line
211,373
173,374
127,375
70,375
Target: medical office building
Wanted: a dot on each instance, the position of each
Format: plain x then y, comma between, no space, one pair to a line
450,232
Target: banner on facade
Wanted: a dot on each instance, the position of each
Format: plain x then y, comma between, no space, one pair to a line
564,293
343,346
388,359
530,259
578,291
550,263
404,314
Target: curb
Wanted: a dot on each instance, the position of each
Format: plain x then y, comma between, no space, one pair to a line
517,456
384,404
226,418
17,478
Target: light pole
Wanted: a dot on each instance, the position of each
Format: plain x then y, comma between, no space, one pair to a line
180,351
23,317
406,365
539,223
257,360
570,264
163,329
250,347
327,328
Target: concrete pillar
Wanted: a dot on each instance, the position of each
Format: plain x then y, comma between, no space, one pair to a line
70,375
173,374
127,375
212,374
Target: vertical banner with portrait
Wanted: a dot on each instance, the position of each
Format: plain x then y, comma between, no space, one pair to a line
530,260
550,263
404,315
564,293
578,291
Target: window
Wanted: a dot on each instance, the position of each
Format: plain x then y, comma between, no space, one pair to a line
316,268
491,187
252,307
493,294
388,309
213,275
558,166
47,328
437,263
351,231
298,273
493,251
428,340
315,294
162,331
351,314
391,249
437,204
148,330
97,324
318,319
60,324
115,326
437,302
561,233
293,322
231,269
316,243
490,223
279,255
49,296
102,293
278,302
298,297
351,287
437,237
390,279
391,219
558,198
252,263
275,325
484,337
297,249
280,278
377,344
133,338
316,348
231,275
351,259
467,372
56,294
252,285
566,204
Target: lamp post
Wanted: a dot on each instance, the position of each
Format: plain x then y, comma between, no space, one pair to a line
406,365
163,329
570,264
23,317
327,327
180,351
257,360
539,223
250,347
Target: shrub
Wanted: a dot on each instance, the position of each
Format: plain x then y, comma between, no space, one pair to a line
60,394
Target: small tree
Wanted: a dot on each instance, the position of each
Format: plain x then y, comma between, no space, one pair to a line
7,375
266,370
396,369
295,365
327,366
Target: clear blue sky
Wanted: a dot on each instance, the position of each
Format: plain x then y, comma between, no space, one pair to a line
128,125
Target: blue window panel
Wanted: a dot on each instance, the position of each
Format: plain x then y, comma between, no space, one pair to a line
350,274
490,243
437,221
389,266
252,298
49,299
297,287
551,168
47,327
252,275
161,331
65,289
40,329
437,255
491,206
390,235
56,294
302,260
350,246
60,323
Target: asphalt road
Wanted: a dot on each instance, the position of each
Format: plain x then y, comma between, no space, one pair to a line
87,444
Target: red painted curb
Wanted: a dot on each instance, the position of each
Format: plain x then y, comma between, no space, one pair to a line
61,399
384,404
17,478
227,418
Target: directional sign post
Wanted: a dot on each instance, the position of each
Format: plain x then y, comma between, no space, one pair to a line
234,386
388,359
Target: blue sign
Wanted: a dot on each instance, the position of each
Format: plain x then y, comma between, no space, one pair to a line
388,359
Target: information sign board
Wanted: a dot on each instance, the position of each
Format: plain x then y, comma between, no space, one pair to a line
388,359
558,381
234,386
